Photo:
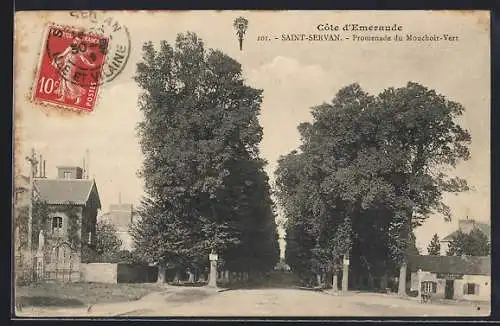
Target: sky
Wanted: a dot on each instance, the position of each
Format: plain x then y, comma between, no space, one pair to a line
294,76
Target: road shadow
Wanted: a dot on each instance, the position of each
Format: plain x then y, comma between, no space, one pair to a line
188,295
48,301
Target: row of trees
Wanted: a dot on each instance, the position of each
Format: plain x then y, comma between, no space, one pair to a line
205,182
474,243
369,170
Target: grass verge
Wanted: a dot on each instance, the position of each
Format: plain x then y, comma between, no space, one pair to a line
80,294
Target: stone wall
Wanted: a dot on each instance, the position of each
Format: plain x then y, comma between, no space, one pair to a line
99,273
118,273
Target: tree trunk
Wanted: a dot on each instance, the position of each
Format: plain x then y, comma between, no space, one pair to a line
335,287
318,279
161,274
402,280
371,283
177,277
383,282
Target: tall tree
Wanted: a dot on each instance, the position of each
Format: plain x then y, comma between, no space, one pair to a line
380,161
475,243
434,247
421,130
199,137
107,243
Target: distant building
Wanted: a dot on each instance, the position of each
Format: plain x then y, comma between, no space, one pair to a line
122,216
453,277
68,192
465,226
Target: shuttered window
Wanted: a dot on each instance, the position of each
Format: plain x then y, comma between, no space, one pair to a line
471,289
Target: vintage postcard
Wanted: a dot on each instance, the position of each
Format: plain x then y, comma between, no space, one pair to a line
251,163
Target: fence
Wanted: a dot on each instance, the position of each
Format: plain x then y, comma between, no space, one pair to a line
28,270
118,273
61,274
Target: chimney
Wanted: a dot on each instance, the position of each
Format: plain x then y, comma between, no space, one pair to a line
69,172
43,175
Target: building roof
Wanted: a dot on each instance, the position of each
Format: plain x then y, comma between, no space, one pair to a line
65,191
466,265
483,227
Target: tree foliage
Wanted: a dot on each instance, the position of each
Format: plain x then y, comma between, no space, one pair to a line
379,162
205,183
107,243
434,247
475,243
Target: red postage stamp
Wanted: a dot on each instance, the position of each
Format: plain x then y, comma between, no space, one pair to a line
70,69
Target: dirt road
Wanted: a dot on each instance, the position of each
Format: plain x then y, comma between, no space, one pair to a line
277,302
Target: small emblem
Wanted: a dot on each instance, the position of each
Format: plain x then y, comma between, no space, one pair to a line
241,25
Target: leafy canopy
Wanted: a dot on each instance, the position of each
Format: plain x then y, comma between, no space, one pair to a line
381,163
475,243
205,183
434,247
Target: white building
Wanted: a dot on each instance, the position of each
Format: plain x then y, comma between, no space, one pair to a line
453,277
122,216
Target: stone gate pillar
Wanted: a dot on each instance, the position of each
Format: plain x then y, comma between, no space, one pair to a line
345,274
212,280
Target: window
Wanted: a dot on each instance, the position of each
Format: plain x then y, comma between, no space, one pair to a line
67,175
56,224
429,287
471,288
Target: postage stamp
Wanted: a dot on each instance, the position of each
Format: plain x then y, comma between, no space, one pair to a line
70,68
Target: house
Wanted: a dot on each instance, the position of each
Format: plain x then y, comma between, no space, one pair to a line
73,204
452,277
465,226
121,216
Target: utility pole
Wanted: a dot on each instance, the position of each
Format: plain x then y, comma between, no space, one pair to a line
33,170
